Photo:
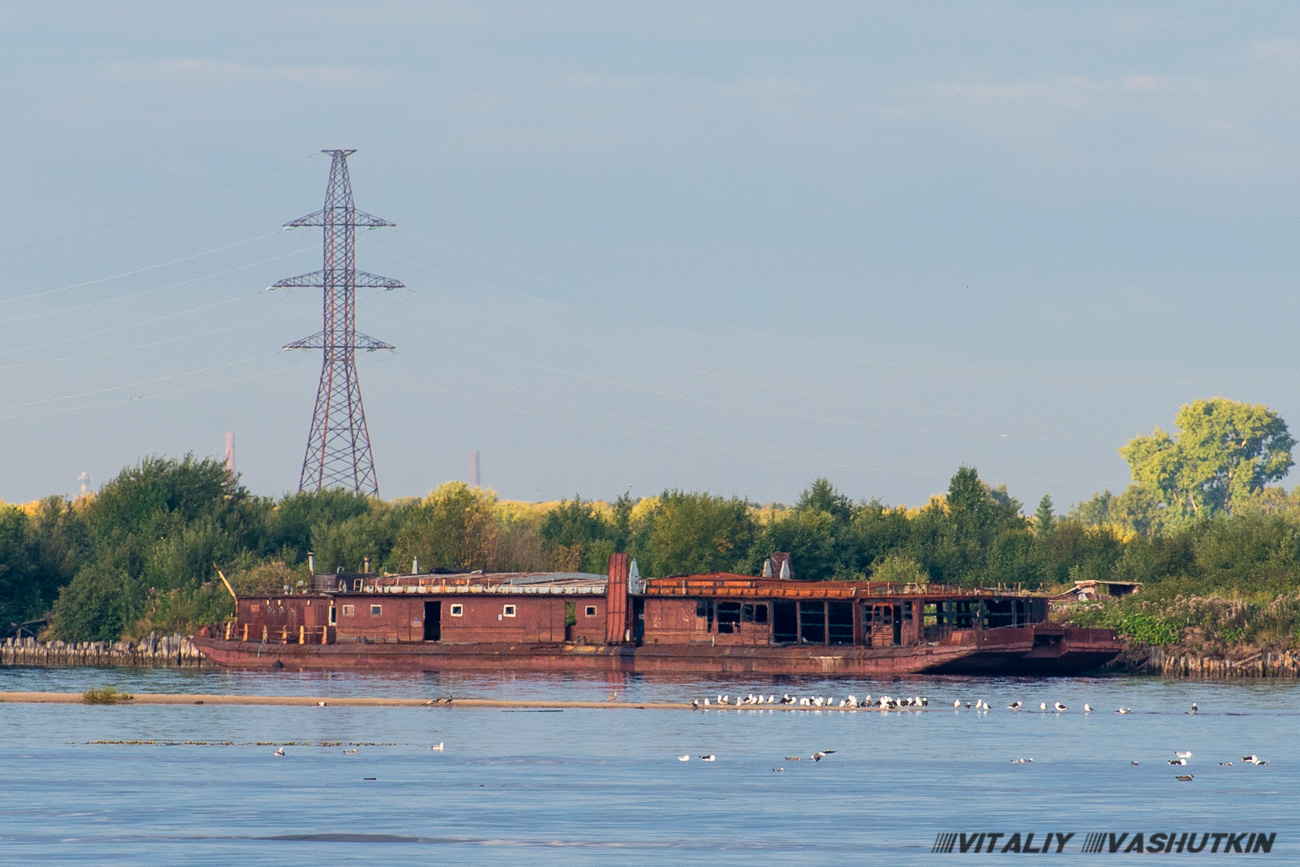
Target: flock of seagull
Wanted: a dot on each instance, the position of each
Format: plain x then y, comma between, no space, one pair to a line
884,702
1184,755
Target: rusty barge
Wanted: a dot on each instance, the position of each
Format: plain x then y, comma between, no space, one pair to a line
719,623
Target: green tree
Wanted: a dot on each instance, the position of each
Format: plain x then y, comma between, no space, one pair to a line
1044,515
1223,450
696,533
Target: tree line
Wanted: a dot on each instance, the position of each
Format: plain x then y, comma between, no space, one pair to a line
1201,517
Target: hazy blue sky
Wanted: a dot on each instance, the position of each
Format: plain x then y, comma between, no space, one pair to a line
723,246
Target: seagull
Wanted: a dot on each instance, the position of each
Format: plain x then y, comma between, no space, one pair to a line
1059,707
1225,764
1184,754
821,754
1251,759
279,752
1185,778
1178,761
695,705
1087,708
1015,705
778,770
683,758
792,758
1134,764
1261,763
349,752
1123,710
1042,706
709,758
437,747
956,705
706,702
1022,761
1194,710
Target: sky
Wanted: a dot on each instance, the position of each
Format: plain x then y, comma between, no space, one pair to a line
729,246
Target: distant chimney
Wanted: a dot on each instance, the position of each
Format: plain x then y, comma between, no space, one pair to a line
767,568
415,565
781,565
473,469
311,562
230,453
365,564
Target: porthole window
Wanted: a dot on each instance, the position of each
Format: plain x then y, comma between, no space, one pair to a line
376,609
591,610
508,611
457,610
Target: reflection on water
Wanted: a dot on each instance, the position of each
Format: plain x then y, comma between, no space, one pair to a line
579,785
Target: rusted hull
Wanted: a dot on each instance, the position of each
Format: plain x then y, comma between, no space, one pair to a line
1010,653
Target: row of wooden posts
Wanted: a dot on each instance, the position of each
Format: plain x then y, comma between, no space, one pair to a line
1257,665
165,650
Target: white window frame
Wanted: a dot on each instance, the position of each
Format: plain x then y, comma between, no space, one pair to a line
508,611
590,611
376,610
457,610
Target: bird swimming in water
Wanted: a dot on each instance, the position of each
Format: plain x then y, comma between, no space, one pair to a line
437,747
1087,708
1195,710
957,704
279,752
1251,759
778,770
1042,706
683,758
1225,764
1123,710
1184,754
1015,705
1185,778
349,752
1134,764
1178,761
1059,707
709,758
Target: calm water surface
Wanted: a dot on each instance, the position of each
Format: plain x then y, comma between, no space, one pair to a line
588,786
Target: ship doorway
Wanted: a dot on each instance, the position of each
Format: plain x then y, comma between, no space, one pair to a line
785,622
884,625
433,621
638,620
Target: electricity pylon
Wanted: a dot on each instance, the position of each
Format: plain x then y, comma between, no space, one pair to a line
338,448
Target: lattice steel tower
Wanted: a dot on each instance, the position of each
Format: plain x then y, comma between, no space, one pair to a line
338,448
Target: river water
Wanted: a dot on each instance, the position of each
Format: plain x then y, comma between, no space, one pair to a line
588,786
